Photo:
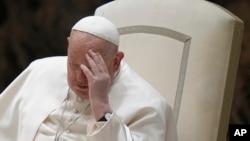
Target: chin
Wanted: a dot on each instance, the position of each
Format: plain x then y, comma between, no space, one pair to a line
84,96
83,93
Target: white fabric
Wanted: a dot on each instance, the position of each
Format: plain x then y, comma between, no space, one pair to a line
140,112
100,27
70,120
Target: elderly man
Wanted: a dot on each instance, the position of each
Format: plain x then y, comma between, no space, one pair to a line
91,95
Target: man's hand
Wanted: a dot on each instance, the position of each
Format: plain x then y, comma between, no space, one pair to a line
99,82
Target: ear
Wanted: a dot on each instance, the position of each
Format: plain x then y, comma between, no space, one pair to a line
117,60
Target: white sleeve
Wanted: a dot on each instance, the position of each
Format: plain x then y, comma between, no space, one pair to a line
146,126
112,130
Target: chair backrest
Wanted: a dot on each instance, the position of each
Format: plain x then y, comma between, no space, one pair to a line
188,50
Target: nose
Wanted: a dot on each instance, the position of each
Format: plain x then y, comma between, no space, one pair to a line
80,77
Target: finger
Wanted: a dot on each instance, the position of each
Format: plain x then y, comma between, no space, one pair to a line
87,72
94,56
99,61
102,63
92,64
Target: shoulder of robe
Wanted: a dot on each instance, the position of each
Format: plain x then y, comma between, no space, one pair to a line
39,76
49,70
48,61
136,89
57,63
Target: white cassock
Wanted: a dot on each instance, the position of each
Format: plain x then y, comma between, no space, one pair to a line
31,106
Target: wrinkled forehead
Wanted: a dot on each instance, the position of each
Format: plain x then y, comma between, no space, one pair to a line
84,39
81,42
80,36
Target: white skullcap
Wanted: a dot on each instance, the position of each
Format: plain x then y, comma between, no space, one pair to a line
100,27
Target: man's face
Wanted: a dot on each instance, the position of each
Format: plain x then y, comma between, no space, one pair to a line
78,45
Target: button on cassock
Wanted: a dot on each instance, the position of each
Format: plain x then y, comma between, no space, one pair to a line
68,131
75,111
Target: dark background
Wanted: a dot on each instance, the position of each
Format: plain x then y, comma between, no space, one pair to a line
31,29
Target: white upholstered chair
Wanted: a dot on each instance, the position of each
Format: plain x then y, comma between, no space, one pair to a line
188,50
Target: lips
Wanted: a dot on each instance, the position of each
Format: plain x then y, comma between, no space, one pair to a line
82,87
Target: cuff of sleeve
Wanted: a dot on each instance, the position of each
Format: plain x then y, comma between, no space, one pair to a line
99,125
111,130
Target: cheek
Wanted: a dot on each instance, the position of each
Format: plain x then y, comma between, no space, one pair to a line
71,76
110,68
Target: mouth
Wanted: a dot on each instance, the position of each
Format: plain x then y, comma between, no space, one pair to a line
81,90
82,87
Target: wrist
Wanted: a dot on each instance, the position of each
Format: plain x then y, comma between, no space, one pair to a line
99,109
105,117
